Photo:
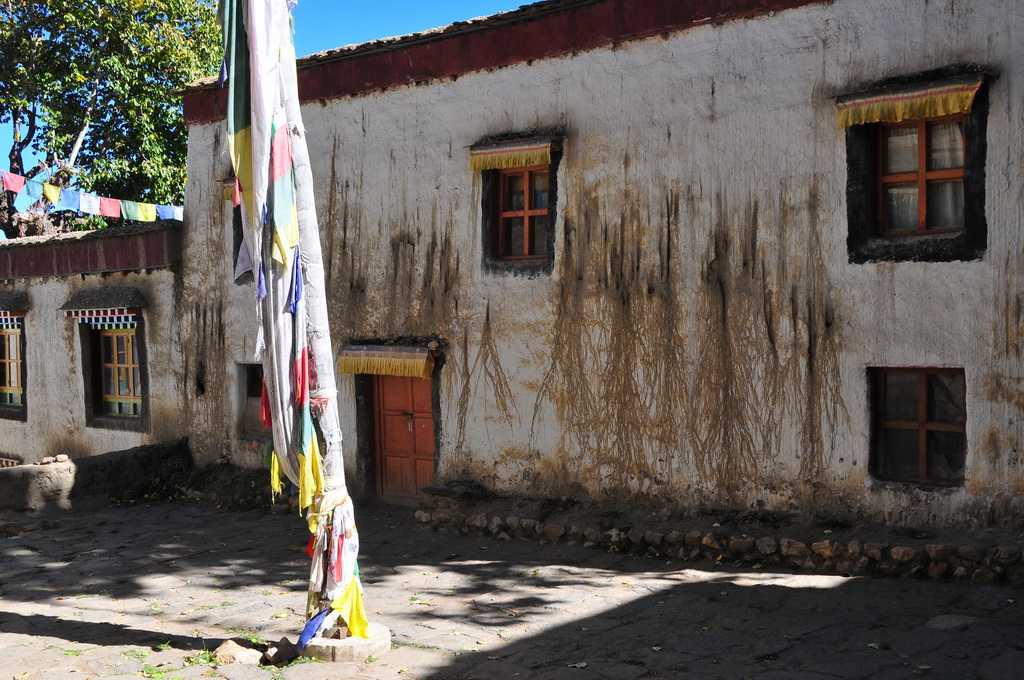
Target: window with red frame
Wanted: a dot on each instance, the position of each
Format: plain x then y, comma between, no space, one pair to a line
921,176
920,425
522,216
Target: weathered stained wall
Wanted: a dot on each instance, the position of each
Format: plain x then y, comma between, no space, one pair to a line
702,340
55,418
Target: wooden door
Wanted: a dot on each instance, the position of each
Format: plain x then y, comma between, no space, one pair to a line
405,436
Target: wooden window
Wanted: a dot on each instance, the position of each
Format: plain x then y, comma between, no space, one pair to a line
12,390
920,417
120,379
921,176
522,214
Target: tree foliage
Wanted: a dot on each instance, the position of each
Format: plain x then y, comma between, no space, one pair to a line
92,85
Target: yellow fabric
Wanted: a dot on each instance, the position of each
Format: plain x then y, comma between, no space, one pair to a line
512,159
310,475
51,193
276,485
147,212
323,507
926,100
286,237
410,368
240,150
350,607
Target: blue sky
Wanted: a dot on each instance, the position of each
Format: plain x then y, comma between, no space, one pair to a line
325,24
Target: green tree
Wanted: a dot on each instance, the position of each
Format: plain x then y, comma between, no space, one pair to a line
92,85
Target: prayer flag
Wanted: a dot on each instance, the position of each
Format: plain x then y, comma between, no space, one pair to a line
89,204
130,210
274,187
30,195
165,212
51,192
69,200
147,212
110,207
12,182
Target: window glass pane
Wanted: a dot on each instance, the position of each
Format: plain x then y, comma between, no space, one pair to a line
123,388
514,192
108,380
899,451
945,456
901,207
16,398
134,348
15,345
3,347
945,204
946,398
110,407
14,379
514,233
901,396
539,199
136,385
901,149
945,146
539,235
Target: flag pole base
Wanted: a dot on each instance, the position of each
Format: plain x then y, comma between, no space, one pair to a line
352,649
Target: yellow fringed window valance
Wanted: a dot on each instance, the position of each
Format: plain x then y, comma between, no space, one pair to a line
908,102
412,362
518,153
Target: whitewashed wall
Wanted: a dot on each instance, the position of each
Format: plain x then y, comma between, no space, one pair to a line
54,392
702,340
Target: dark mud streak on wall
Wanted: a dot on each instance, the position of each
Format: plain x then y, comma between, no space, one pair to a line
649,411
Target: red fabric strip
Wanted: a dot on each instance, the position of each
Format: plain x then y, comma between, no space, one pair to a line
265,415
302,378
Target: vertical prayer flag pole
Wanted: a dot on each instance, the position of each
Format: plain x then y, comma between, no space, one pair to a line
274,189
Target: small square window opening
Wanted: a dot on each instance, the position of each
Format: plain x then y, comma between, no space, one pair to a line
920,417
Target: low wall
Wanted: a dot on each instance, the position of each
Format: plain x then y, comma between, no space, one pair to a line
61,483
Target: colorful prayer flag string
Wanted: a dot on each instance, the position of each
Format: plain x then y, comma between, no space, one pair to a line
29,192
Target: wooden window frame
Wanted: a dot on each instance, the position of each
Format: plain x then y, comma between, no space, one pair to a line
922,425
920,177
9,367
865,242
527,213
131,368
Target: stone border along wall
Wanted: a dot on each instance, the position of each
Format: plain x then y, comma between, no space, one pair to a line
853,557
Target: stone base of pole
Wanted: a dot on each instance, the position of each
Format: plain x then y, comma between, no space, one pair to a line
352,649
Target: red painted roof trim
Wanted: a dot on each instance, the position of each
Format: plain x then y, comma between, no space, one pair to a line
491,43
101,251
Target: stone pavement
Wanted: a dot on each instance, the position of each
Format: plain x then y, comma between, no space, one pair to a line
142,591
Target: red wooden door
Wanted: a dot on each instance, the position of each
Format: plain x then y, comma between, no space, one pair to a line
405,436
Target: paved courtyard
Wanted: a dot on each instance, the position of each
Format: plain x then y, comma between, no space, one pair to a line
142,592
